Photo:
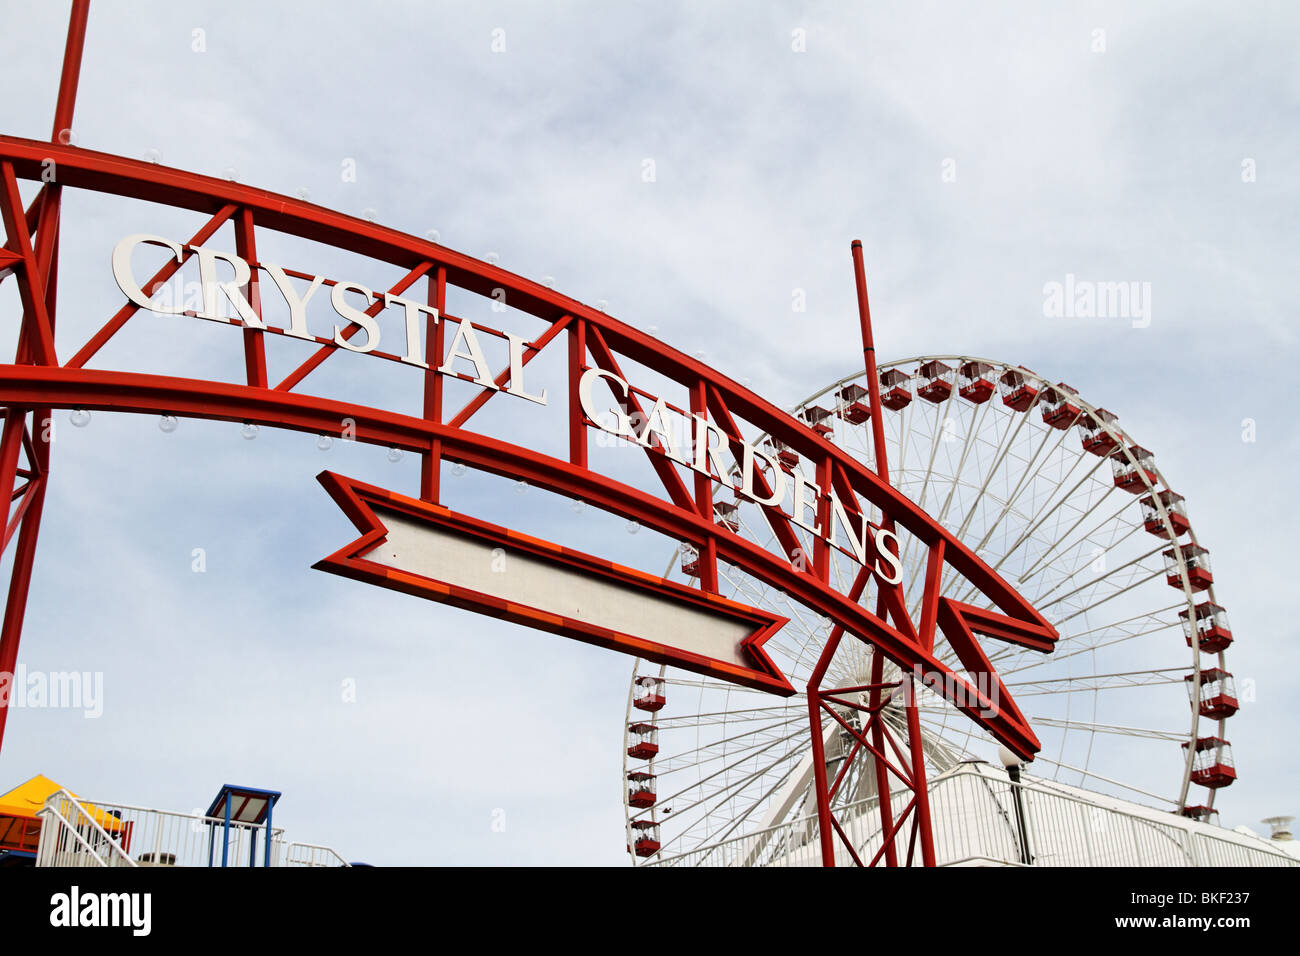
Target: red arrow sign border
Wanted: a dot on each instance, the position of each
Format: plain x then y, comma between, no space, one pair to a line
359,500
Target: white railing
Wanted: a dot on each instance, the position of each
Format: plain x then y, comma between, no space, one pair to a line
976,822
309,854
72,835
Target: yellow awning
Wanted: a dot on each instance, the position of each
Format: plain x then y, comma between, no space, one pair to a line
27,799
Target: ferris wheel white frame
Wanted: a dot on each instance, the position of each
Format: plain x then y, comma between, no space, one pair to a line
1124,445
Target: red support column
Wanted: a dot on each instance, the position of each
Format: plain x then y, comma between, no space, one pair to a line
825,824
254,340
431,461
920,787
45,258
577,426
71,74
921,804
883,793
708,558
11,626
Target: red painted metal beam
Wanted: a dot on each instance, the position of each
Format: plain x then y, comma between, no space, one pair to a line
119,176
154,394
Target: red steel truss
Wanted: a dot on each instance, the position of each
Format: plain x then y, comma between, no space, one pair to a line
37,381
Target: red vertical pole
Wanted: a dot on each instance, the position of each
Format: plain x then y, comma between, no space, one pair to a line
10,444
708,559
883,794
823,519
919,785
431,464
577,359
71,68
922,808
254,343
869,359
21,577
825,827
11,625
917,752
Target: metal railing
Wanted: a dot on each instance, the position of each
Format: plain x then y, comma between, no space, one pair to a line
83,833
310,854
976,822
72,836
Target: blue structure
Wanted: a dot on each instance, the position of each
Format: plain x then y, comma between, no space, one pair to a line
241,805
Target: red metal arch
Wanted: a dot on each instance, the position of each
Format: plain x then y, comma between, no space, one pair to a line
727,399
38,381
685,515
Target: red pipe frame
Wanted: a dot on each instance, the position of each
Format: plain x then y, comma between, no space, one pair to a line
889,601
38,284
36,382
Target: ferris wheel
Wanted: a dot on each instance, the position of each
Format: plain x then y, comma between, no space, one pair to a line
1048,490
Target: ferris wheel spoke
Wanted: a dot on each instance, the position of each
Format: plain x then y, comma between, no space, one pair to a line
1146,617
1083,772
941,734
1093,683
940,413
1026,477
754,805
713,685
1064,542
675,723
1148,733
1085,649
851,669
1004,448
749,755
1094,582
707,753
1158,573
905,416
967,446
1029,532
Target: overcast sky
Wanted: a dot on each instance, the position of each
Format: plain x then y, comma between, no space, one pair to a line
979,152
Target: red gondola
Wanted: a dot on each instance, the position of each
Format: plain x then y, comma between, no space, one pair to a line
1176,508
648,693
975,382
1218,696
644,741
934,381
895,389
787,458
1134,468
1212,630
854,408
1212,766
641,789
1060,406
816,417
1096,440
1197,559
726,514
645,837
1017,388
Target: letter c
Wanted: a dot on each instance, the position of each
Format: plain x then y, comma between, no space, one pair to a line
126,281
